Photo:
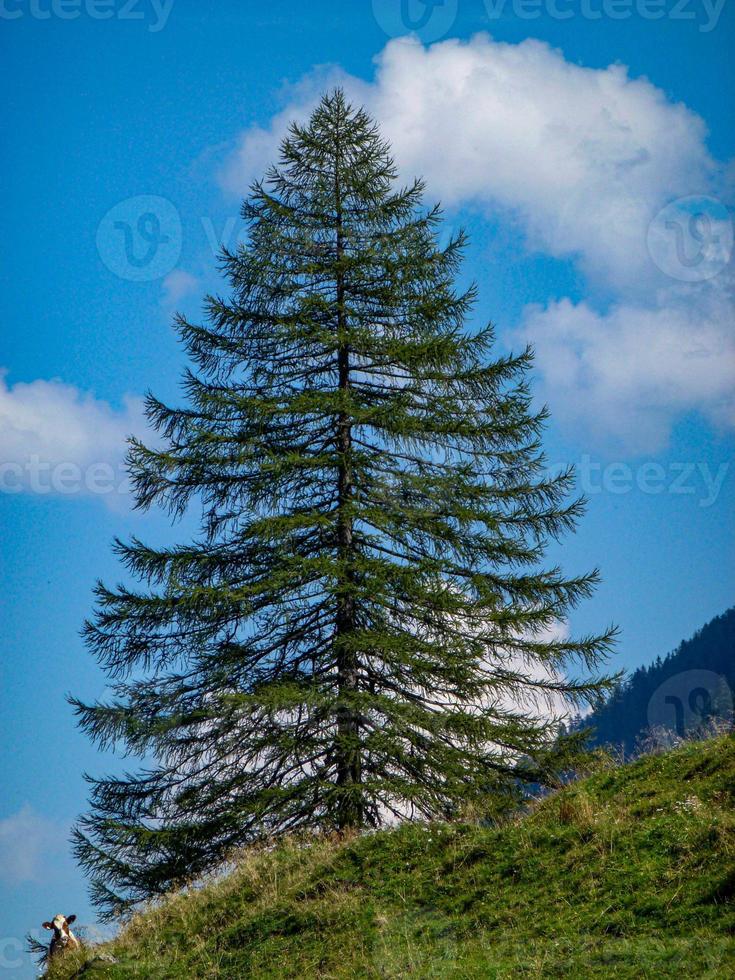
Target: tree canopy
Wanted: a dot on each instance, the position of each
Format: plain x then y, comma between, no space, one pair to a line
363,629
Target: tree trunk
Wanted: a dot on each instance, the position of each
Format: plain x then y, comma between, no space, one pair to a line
349,775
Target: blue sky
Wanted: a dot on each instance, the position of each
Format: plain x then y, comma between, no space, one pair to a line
598,203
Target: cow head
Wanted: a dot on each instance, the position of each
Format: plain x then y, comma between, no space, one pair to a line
63,936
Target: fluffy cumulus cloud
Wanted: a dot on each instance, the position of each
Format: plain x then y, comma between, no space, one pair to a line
54,438
24,838
582,161
176,287
627,373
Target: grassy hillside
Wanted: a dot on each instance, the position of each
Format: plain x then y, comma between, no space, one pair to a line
627,873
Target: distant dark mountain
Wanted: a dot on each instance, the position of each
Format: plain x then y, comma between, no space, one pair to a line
678,695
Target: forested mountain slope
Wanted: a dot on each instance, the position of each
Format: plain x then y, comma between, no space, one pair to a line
680,692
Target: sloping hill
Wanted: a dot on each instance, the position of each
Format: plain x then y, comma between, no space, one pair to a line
687,688
627,873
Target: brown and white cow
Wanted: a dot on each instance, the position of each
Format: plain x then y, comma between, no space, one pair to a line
63,937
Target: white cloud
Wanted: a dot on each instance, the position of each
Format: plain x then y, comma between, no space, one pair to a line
524,676
24,838
55,438
547,704
582,160
625,374
176,286
583,157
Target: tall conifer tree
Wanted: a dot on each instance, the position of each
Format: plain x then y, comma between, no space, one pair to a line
362,627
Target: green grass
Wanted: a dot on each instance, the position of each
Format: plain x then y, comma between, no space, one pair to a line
629,872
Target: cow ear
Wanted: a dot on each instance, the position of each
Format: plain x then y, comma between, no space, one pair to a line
70,919
46,925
